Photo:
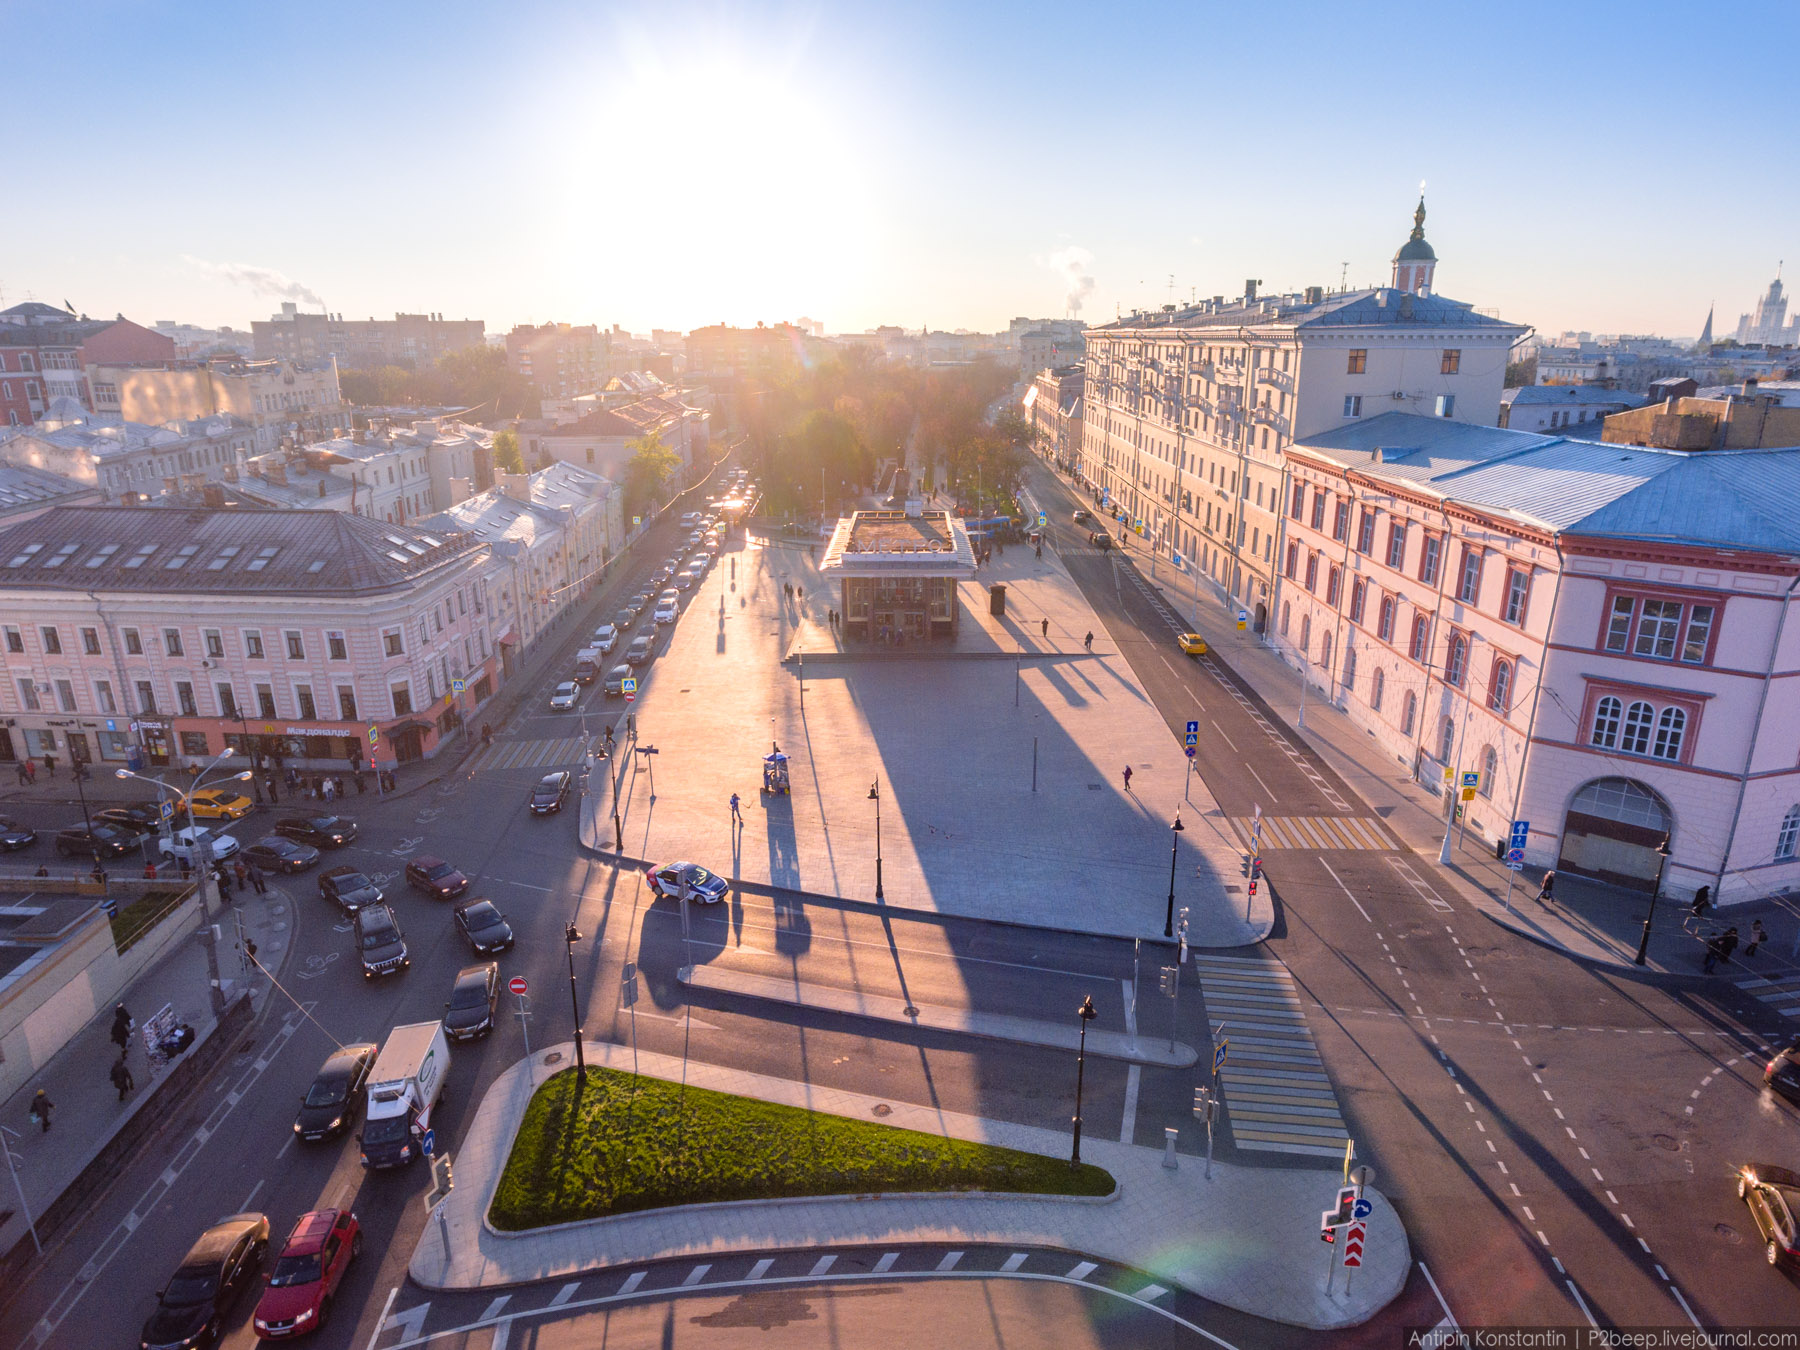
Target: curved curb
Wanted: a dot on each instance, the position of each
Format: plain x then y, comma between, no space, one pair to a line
1668,979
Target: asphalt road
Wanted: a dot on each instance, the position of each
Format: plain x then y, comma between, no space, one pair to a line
1528,1115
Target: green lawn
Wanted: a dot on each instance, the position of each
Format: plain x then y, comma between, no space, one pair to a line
136,919
643,1143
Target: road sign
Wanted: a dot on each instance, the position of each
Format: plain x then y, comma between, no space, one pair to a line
167,810
1449,774
1219,1056
1191,752
629,686
1521,833
1468,794
1363,1209
517,984
1472,779
1041,517
1515,855
374,736
429,1142
1193,727
1353,1245
458,684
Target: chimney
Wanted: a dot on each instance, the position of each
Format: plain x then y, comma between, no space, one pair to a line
321,487
231,473
459,490
1249,291
213,495
1315,295
276,472
514,485
358,436
170,487
1749,386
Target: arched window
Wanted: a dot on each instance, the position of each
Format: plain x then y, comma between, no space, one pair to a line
1325,650
1786,841
1410,711
1349,667
1375,689
1286,611
1606,722
1312,571
1447,739
1635,739
1500,687
1387,618
1333,585
1490,770
1670,728
1305,633
1457,660
1421,633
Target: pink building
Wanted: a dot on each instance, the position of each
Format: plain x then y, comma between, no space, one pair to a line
1597,631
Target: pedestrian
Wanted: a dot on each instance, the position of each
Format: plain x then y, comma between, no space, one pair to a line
98,874
1546,889
1046,628
1758,935
41,1107
1128,778
1702,902
121,1077
150,871
31,771
223,877
1721,948
50,765
121,1028
487,734
241,872
256,880
42,870
736,814
1088,642
20,770
325,788
361,787
798,594
274,797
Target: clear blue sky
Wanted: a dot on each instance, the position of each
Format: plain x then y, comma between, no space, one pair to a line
1607,166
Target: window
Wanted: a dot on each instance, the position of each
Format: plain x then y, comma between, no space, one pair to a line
215,644
1447,739
265,700
194,743
1340,522
1286,611
1359,596
134,645
28,695
103,696
1352,405
1318,515
182,554
402,699
1446,405
1699,630
1365,532
1618,624
1451,362
227,701
1606,722
1669,730
1293,561
65,696
1305,633
1429,557
303,693
1297,509
1334,586
335,648
1456,659
1790,834
172,641
392,643
184,699
346,702
146,697
253,648
1409,711
1396,545
1518,587
52,640
225,555
15,640
1421,639
90,641
1312,571
1490,770
296,649
1359,361
1375,689
1657,629
262,559
1468,589
1386,625
1634,739
140,557
1500,687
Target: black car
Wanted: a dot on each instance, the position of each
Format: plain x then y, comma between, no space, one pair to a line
105,841
470,1011
1773,1195
1783,1072
615,680
220,1266
637,603
436,877
349,889
331,1103
551,791
137,819
484,926
379,941
624,619
14,836
275,854
319,831
638,652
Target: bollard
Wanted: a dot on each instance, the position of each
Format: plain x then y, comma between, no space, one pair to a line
1169,1133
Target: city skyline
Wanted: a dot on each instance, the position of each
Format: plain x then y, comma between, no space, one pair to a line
918,166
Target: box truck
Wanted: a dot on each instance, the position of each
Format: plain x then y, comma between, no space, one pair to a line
403,1087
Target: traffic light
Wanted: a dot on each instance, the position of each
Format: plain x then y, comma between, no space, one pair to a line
110,905
1244,865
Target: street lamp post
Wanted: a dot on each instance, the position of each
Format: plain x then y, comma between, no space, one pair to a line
875,796
1174,844
1662,862
1087,1014
572,935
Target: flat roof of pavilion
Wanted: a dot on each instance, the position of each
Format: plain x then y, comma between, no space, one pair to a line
894,543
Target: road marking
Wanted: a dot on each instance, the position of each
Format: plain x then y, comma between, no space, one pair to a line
1582,1304
1150,1291
1081,1270
632,1281
493,1309
1259,778
886,1263
1684,1305
1318,832
761,1268
697,1274
1353,900
823,1264
1222,735
248,1198
410,1323
381,1322
502,1334
564,1294
1012,1263
949,1261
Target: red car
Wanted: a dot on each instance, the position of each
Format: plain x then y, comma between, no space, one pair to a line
312,1265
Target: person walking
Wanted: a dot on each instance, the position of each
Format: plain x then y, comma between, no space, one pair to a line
361,787
41,1107
1702,902
256,880
20,770
241,872
274,796
1547,888
1128,778
1046,627
31,771
121,1028
1758,936
121,1077
223,876
50,765
1088,642
1720,949
736,814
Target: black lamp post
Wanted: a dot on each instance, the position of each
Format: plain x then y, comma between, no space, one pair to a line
1174,843
875,796
1662,855
1087,1014
572,935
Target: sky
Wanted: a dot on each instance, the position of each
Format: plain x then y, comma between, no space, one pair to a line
1613,167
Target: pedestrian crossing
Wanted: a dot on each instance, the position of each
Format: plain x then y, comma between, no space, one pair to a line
1276,1093
565,750
1362,832
1782,995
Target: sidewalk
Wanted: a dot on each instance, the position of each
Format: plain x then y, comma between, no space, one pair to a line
88,1113
1248,1238
1589,920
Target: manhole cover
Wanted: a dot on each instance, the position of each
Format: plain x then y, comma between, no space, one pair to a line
1727,1232
883,1109
1667,1141
1094,787
553,1057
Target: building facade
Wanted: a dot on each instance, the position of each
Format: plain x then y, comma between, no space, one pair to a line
408,340
1549,407
45,353
1053,407
602,440
561,359
296,400
129,462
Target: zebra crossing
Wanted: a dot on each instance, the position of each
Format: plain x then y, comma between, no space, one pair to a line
1781,995
528,755
1361,832
1276,1093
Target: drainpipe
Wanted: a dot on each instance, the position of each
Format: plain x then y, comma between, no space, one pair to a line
1538,690
1337,609
1437,614
1762,702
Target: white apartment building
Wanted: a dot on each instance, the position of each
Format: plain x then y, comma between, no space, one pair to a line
296,400
129,461
1187,413
143,634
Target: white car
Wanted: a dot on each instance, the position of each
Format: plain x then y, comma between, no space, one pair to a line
667,611
606,637
563,697
185,844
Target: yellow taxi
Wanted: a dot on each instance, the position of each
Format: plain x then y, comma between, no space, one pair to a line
218,804
1192,643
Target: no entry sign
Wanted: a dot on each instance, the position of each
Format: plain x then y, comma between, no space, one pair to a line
517,984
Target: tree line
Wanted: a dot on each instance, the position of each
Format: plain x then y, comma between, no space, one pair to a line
476,378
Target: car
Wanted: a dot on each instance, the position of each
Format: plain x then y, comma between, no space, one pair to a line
688,518
615,680
14,836
1773,1195
1101,540
186,844
319,831
550,792
639,651
298,1296
219,804
379,941
103,841
623,620
435,877
563,697
662,574
694,540
349,889
336,1095
606,637
1782,1074
273,853
483,926
1192,643
702,885
222,1263
1082,516
684,580
637,603
140,820
470,1011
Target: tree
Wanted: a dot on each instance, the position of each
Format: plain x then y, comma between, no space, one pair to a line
1521,373
507,455
648,472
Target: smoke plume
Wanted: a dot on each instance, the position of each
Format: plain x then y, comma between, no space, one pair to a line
261,280
1072,265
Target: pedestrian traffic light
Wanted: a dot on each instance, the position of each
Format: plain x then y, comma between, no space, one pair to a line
1244,865
111,906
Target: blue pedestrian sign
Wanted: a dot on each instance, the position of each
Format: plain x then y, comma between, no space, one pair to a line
1219,1057
167,810
429,1142
458,684
1192,736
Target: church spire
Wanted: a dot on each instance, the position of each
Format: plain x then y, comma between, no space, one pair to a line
1416,261
1706,336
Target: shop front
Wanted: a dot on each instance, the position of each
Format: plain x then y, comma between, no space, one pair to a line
69,740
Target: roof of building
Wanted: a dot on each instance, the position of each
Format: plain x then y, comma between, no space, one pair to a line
148,548
1382,306
105,439
1558,395
872,543
23,487
32,310
70,332
1415,249
1729,498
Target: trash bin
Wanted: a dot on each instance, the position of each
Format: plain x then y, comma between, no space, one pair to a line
1500,846
997,601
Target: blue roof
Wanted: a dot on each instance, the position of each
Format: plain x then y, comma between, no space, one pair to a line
1344,309
1570,393
1727,498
